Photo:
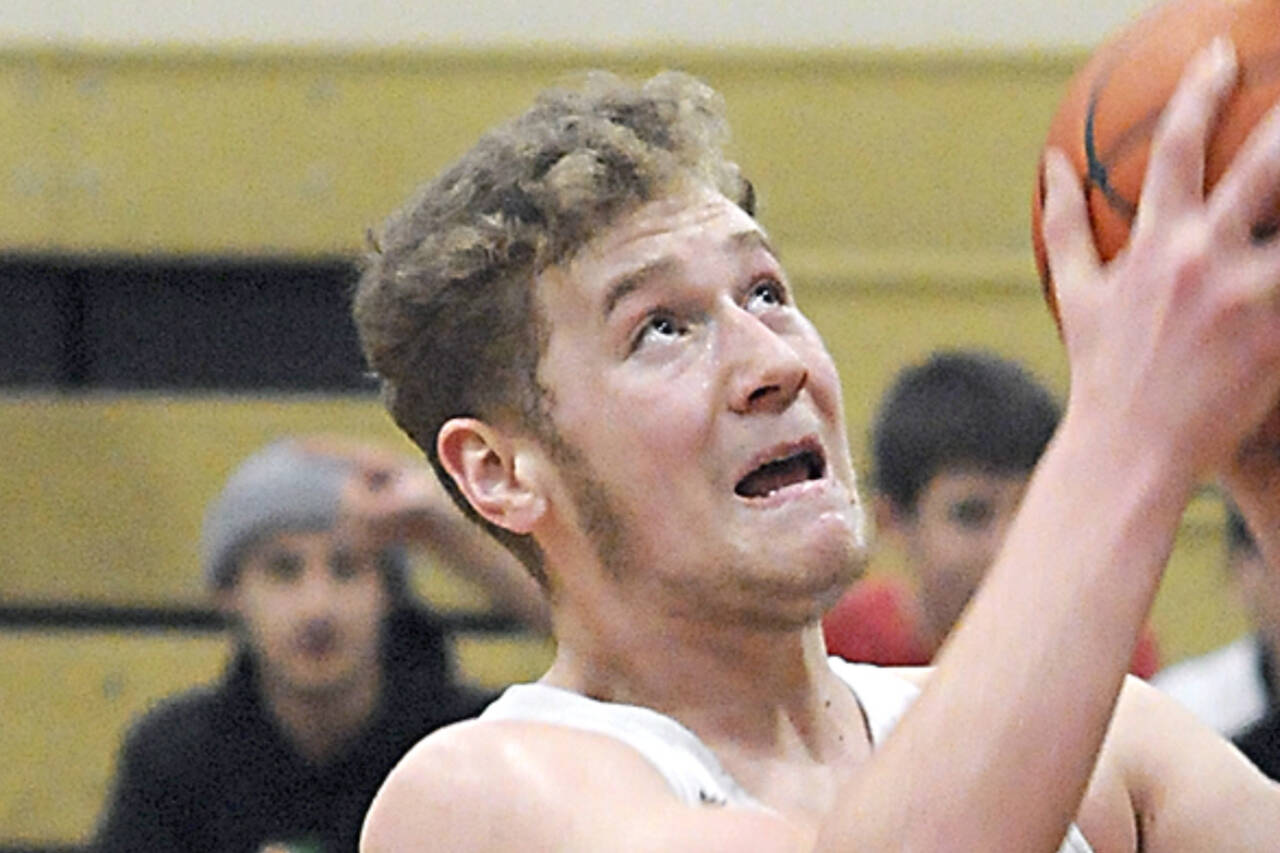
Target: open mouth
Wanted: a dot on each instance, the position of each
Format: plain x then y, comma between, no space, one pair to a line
797,467
317,639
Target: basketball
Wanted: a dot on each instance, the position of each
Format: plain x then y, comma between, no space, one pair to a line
1105,120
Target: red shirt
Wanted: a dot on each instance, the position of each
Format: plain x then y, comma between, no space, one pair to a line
878,621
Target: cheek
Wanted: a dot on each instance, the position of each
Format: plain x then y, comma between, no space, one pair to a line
824,378
268,623
975,552
638,432
956,552
362,608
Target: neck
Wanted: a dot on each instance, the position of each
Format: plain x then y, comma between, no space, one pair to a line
765,702
760,690
320,723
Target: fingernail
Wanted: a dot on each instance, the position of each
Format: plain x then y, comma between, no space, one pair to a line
1222,54
1055,160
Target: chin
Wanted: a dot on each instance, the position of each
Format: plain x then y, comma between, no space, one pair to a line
841,566
836,550
796,589
319,682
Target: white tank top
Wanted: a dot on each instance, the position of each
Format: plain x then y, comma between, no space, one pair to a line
690,768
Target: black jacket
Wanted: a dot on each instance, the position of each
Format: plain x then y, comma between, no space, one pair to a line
1261,743
209,770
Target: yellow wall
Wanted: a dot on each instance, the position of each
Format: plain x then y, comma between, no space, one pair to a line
861,156
895,184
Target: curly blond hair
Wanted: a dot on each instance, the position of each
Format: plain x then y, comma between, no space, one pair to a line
445,307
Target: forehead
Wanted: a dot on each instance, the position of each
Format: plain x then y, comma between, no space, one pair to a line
960,481
665,236
292,539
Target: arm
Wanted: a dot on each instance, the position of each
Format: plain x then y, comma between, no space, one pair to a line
1192,790
142,812
1175,355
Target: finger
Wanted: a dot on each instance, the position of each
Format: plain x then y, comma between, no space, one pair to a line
1068,239
1259,274
1243,202
1175,170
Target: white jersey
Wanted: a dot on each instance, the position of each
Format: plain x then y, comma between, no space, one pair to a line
689,766
1224,687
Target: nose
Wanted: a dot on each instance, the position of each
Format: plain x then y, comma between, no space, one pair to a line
766,371
315,591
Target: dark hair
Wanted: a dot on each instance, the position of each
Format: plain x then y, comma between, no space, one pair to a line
1239,538
445,307
959,407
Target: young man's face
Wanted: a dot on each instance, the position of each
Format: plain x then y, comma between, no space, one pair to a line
1259,588
706,457
312,610
954,535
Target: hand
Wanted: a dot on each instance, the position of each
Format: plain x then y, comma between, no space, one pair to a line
1177,341
390,497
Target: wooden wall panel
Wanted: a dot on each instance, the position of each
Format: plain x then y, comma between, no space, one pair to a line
297,152
68,699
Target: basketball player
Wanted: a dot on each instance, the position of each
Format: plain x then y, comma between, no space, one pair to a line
591,337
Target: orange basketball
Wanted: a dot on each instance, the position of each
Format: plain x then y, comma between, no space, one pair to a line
1105,120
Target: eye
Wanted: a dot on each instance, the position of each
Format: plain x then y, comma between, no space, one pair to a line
344,565
766,293
658,327
972,513
283,566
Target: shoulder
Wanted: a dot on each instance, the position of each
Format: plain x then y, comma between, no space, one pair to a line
490,785
1175,775
1150,730
181,725
190,737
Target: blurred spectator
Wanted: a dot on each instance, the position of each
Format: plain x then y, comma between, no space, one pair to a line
337,671
954,443
1232,687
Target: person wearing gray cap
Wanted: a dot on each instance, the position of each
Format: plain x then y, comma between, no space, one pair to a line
337,672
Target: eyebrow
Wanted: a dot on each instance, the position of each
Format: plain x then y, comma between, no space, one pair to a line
629,282
750,239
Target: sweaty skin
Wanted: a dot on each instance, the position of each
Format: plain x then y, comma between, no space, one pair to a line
678,363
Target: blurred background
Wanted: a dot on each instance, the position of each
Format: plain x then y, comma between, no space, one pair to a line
184,186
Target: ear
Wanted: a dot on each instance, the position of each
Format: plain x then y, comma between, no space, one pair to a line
227,600
496,472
